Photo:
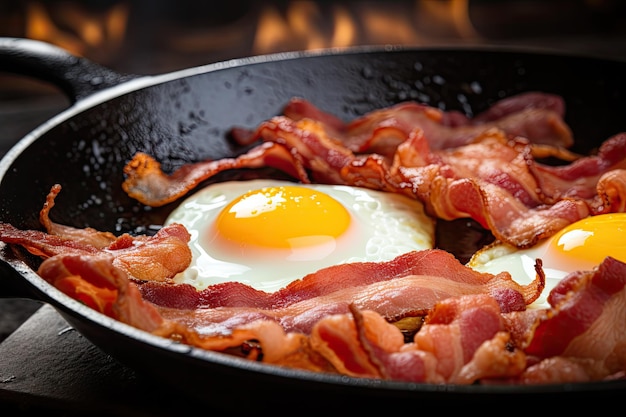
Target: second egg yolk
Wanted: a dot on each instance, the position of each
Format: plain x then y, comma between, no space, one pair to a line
283,217
593,238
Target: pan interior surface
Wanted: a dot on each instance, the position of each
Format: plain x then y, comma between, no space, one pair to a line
187,117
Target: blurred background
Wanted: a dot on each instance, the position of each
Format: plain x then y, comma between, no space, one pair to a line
158,36
154,36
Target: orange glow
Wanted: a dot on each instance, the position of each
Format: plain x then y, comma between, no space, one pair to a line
301,18
40,26
100,34
306,25
272,30
446,18
389,27
77,30
345,33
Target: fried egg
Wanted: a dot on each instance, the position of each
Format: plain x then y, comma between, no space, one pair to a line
268,233
581,246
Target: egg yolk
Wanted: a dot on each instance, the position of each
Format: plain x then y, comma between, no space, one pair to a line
283,217
594,238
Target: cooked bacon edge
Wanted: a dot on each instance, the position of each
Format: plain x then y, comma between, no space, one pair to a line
344,319
419,265
533,115
465,339
153,258
479,168
341,319
409,285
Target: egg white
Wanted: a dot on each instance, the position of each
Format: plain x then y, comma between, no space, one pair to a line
520,263
597,236
383,226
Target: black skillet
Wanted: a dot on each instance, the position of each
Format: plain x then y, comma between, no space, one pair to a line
185,116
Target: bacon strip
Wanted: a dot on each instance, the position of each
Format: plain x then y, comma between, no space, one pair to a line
519,102
43,244
97,282
147,183
151,258
87,235
378,131
362,344
429,263
585,302
142,257
411,295
493,178
462,341
582,337
465,337
536,116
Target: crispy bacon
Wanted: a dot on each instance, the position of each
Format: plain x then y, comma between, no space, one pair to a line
409,285
378,131
340,319
352,277
462,341
582,337
536,116
43,244
519,102
599,179
491,182
585,302
336,342
86,235
492,177
94,280
393,299
148,184
467,337
142,257
145,258
457,328
363,344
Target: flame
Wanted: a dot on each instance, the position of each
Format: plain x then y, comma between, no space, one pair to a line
301,20
294,29
77,30
345,33
40,26
446,18
273,30
100,33
303,25
390,26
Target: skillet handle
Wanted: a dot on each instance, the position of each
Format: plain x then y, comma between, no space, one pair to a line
77,77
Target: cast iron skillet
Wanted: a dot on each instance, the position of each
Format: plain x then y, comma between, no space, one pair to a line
185,116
